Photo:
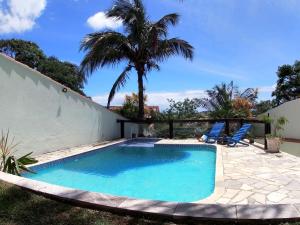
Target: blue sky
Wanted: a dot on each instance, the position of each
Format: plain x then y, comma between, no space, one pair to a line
240,40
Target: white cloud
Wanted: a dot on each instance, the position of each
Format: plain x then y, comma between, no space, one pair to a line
266,89
100,21
17,16
154,98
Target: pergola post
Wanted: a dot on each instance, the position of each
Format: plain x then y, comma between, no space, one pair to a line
171,133
122,127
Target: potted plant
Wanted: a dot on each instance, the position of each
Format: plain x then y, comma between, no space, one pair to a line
251,137
198,134
274,140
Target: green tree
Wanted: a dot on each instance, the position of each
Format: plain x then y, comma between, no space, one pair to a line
130,106
186,109
25,52
263,106
222,99
65,73
30,54
142,46
288,83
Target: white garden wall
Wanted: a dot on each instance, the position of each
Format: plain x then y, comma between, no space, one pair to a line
43,118
291,111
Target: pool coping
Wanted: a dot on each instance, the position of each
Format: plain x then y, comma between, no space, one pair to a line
203,209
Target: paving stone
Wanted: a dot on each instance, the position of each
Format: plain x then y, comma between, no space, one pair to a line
283,191
205,211
242,195
294,194
293,186
297,206
246,187
233,184
271,188
166,208
276,197
289,201
243,202
259,185
223,200
230,193
266,212
259,198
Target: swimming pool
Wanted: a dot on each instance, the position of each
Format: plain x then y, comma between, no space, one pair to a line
180,173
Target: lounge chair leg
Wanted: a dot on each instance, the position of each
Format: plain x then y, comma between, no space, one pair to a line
244,143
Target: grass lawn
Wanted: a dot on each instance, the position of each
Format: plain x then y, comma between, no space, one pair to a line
19,207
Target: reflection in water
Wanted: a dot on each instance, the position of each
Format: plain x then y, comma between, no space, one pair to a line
126,159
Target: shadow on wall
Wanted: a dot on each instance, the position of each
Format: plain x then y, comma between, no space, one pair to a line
44,118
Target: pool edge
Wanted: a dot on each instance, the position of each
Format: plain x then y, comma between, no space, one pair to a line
203,209
171,210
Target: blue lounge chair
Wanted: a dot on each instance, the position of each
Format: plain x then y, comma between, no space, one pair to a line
214,133
239,136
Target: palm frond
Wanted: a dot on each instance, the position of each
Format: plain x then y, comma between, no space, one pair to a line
152,65
174,46
130,12
161,26
120,82
250,94
104,48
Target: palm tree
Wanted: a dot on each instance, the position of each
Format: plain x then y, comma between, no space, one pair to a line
221,98
143,45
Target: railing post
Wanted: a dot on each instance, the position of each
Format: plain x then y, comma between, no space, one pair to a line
227,127
267,131
171,134
122,126
241,122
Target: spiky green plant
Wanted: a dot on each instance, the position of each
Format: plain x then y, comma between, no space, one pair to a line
10,163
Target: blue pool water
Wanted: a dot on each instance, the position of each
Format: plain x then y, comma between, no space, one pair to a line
168,173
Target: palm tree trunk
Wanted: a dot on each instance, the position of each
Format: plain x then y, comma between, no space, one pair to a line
141,95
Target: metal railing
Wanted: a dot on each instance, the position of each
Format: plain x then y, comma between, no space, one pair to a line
171,122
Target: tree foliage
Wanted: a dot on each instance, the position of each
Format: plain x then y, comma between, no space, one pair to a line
227,101
263,106
65,73
130,107
30,54
288,83
26,52
142,46
186,109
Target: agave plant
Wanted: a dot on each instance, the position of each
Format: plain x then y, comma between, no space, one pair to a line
9,163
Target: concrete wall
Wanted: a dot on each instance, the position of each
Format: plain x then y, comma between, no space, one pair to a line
43,118
291,111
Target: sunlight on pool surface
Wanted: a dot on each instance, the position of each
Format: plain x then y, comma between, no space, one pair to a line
168,173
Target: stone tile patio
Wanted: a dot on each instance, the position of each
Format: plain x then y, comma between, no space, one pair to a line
252,176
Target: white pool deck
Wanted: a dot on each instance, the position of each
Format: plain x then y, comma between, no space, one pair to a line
250,184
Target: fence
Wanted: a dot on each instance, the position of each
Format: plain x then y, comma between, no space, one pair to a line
171,123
